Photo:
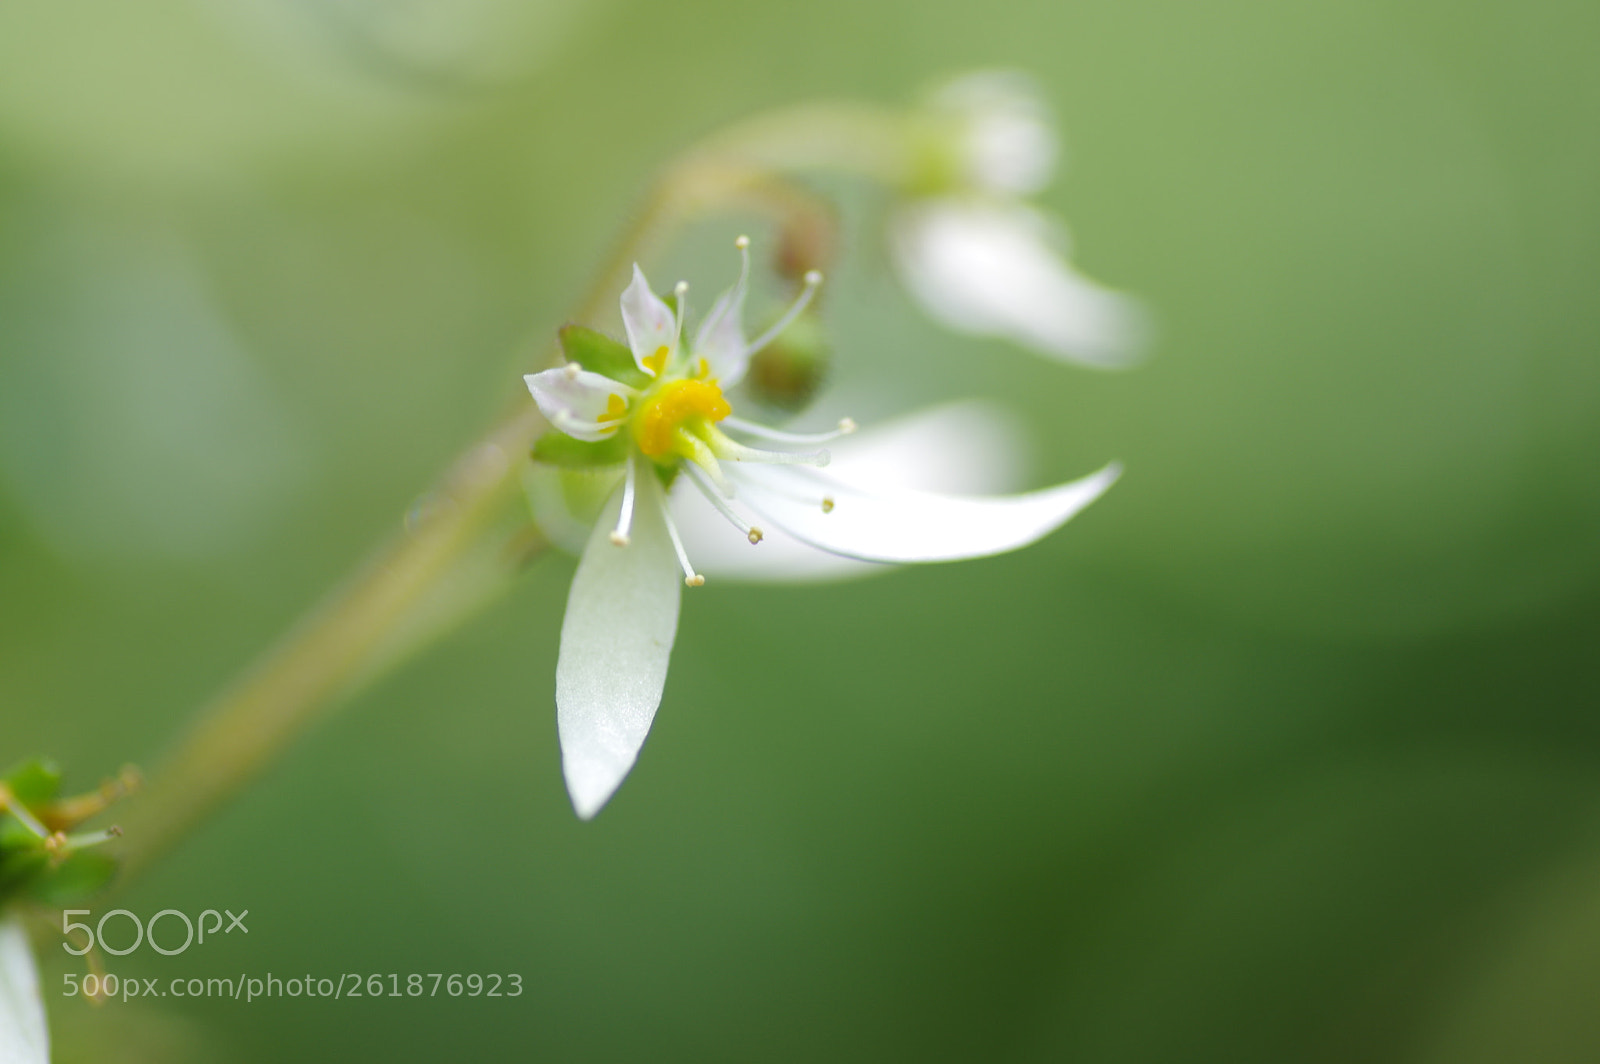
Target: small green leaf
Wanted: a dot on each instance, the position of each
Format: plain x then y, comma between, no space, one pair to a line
599,353
558,449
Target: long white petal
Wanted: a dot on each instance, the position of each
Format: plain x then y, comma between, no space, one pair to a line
622,615
994,269
908,526
649,322
964,447
575,400
24,1038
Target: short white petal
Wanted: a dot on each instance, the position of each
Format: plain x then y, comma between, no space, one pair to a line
622,616
994,269
575,401
721,340
649,322
908,526
24,1038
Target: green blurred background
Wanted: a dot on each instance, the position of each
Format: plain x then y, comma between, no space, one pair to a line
1285,750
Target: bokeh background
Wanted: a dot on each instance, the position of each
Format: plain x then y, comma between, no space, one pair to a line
1287,749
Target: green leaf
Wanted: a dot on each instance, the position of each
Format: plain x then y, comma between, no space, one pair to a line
599,353
558,449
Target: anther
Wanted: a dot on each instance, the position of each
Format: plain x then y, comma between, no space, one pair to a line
755,535
827,504
847,425
694,580
741,242
572,369
813,277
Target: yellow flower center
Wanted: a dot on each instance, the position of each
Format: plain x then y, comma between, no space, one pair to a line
664,412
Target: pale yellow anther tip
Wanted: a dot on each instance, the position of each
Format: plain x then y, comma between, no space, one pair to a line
572,370
742,242
813,277
756,536
847,425
694,581
619,540
827,504
681,287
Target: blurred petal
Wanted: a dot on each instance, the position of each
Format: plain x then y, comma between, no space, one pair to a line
967,446
622,615
721,340
650,324
24,1038
992,269
1009,143
864,521
576,401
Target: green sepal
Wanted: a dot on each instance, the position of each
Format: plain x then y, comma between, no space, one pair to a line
558,449
599,353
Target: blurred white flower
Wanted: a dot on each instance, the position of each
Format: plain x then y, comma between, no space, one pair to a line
978,257
24,1038
656,408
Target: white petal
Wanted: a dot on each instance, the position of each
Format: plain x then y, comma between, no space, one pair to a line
575,401
969,447
622,615
721,341
1010,144
648,320
24,1038
907,526
993,269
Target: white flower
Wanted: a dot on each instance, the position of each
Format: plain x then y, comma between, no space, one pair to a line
24,1038
981,260
659,412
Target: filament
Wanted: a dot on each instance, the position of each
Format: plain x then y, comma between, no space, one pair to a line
750,428
813,280
715,498
619,535
690,577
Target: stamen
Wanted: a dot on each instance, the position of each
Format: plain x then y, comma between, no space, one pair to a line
10,803
750,428
681,289
573,426
619,535
813,279
736,298
723,447
690,577
715,498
